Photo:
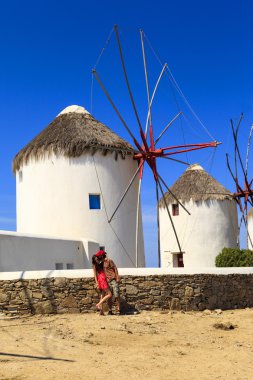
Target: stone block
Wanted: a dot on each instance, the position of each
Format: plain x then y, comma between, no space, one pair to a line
155,292
73,310
175,304
60,282
166,294
92,293
242,293
88,287
45,307
46,291
86,300
3,298
131,290
69,302
25,294
212,301
148,284
59,295
19,284
47,282
37,295
147,301
201,306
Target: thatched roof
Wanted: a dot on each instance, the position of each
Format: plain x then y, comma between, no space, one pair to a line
250,213
196,184
72,133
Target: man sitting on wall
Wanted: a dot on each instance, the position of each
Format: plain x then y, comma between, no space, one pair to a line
112,276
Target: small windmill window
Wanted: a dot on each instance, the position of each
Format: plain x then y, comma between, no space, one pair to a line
94,201
58,266
175,209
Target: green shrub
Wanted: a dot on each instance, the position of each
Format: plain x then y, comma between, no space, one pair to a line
234,257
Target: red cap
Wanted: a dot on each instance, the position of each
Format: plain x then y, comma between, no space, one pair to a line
100,253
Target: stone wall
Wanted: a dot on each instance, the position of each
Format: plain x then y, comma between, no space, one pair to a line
157,292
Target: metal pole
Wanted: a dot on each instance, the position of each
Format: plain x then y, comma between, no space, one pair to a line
248,149
126,191
232,175
246,226
173,159
126,77
236,145
137,223
115,109
158,226
167,208
167,126
155,89
173,195
146,79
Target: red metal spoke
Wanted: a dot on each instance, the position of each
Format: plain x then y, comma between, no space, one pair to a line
201,145
141,165
150,155
189,149
143,137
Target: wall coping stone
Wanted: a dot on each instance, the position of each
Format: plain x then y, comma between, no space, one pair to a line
88,273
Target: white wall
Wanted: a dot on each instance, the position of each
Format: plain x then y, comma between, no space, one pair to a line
26,253
211,226
250,230
52,199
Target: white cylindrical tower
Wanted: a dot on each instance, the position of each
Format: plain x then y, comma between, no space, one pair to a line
250,228
69,180
211,226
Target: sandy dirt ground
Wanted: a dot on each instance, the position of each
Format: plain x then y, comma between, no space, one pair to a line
149,345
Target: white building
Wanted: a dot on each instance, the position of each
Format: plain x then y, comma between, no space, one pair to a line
250,228
69,180
211,226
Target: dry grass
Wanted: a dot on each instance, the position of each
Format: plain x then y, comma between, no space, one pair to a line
72,135
196,185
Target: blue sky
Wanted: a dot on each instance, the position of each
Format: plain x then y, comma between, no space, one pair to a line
48,49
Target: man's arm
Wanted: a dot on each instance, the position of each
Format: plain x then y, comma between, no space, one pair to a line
116,272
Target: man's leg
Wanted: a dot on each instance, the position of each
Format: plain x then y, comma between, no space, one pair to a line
109,301
116,292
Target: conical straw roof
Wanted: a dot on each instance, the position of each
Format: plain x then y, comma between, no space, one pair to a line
72,133
197,185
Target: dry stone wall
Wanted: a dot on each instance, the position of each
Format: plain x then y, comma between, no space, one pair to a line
158,292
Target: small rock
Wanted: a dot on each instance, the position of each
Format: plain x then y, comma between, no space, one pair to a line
218,311
207,312
189,291
224,326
